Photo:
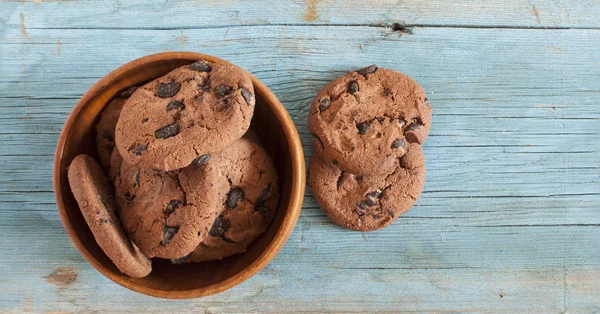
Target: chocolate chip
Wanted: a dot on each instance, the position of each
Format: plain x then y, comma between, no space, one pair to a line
168,234
414,127
103,221
367,70
401,123
360,211
128,92
175,104
360,179
233,197
317,141
167,131
166,90
387,92
375,194
363,127
248,96
261,202
172,206
204,85
107,136
200,66
353,87
335,162
129,198
324,104
144,120
223,90
136,179
201,160
389,212
398,143
219,227
181,260
139,149
363,205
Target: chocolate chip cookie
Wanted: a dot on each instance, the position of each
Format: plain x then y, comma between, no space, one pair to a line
95,197
364,120
167,214
105,128
249,204
194,110
367,203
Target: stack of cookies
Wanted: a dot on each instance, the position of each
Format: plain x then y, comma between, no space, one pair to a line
368,167
181,176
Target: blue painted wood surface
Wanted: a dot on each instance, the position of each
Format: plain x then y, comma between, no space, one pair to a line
509,220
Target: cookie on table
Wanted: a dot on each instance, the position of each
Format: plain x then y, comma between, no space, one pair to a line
95,197
364,119
194,110
105,128
367,203
250,201
167,214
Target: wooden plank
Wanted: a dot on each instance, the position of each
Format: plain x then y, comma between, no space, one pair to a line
508,221
200,14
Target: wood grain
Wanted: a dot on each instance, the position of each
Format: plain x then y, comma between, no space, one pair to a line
509,220
160,14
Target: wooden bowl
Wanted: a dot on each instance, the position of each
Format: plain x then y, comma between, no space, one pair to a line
272,124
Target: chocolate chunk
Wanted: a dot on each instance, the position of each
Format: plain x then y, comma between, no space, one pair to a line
261,202
363,127
144,120
367,70
175,104
353,87
139,149
233,197
103,221
172,206
223,90
398,143
168,234
248,96
335,162
401,123
128,92
166,90
360,211
201,160
387,92
324,104
136,179
219,227
167,131
107,136
181,260
200,66
318,141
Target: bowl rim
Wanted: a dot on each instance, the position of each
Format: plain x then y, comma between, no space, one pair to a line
283,233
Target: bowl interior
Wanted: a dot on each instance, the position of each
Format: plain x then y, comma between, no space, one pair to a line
191,279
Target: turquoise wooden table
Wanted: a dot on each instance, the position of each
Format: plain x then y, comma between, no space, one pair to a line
509,220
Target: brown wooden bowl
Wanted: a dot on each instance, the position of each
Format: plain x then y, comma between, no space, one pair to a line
279,137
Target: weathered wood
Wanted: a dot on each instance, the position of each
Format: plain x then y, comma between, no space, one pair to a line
509,220
160,14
